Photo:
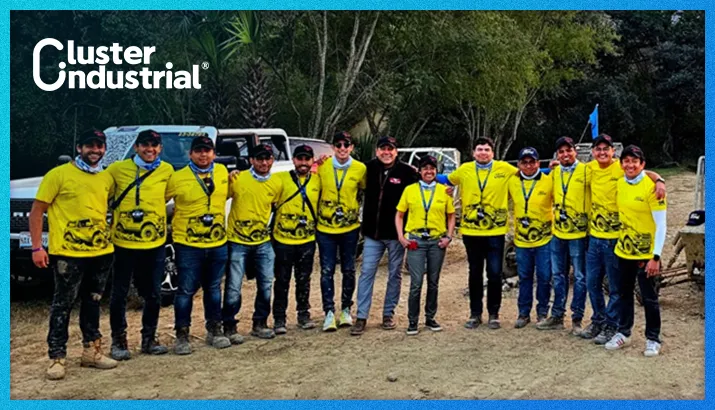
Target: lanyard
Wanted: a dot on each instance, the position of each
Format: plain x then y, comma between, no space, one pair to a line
427,205
301,188
527,196
565,187
204,187
482,187
339,185
138,184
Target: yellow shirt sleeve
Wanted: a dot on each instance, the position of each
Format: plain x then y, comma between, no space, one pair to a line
654,203
171,187
402,205
49,187
450,204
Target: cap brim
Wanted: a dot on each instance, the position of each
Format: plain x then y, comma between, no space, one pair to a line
202,146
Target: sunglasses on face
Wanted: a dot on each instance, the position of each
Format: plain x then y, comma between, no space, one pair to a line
342,144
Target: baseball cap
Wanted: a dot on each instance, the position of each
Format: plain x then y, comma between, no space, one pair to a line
428,160
528,152
305,150
148,136
387,141
603,139
633,151
261,149
565,141
342,136
92,135
696,218
202,142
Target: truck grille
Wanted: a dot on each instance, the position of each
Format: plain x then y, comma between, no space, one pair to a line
20,216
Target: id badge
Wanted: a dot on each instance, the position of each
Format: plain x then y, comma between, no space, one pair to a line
525,222
480,213
562,215
303,220
339,211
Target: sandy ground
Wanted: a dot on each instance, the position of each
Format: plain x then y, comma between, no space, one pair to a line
454,364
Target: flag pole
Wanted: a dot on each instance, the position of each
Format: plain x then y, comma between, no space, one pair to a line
584,131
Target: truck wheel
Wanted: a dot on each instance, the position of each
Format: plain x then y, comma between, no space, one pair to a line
217,232
601,224
149,233
628,245
98,240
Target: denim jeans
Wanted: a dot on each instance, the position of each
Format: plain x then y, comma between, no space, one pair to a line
600,260
288,258
199,267
371,255
481,249
146,266
563,254
262,258
529,260
630,272
328,246
428,257
85,277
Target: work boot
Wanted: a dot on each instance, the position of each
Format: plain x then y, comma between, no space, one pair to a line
494,322
120,348
552,323
473,322
92,356
522,321
591,331
151,345
305,323
182,345
388,323
215,336
56,371
359,327
261,330
279,326
232,334
576,327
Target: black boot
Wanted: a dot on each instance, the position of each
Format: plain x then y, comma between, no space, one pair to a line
182,345
215,336
151,345
261,330
120,348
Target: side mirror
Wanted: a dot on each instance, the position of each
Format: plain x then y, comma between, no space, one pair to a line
242,164
63,159
228,160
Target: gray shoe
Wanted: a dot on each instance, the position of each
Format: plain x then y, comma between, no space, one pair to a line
576,327
522,321
215,336
232,334
591,331
552,323
306,323
494,322
606,334
473,322
182,345
120,349
261,331
151,345
279,327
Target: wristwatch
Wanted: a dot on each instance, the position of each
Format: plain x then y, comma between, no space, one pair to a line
448,237
660,180
656,258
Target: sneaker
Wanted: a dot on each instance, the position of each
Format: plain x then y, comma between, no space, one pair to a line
56,371
359,327
305,323
232,334
652,348
329,323
279,326
494,322
522,321
345,319
618,341
388,323
433,325
576,327
551,323
473,322
606,334
412,329
591,331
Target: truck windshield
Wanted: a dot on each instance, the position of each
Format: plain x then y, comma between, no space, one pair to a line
176,147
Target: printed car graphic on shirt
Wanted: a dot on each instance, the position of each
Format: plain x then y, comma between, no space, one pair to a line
148,229
604,221
251,230
198,231
634,243
531,230
574,222
329,216
490,217
295,226
86,234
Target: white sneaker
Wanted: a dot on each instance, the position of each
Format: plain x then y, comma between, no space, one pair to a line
618,341
652,348
345,318
329,323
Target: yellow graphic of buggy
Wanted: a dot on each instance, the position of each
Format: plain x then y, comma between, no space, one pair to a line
250,230
570,222
604,221
147,229
634,243
530,230
485,217
87,233
331,213
295,226
199,231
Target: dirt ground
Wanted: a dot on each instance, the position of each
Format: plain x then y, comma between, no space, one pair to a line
454,364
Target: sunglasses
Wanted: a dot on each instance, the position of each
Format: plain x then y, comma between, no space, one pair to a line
342,144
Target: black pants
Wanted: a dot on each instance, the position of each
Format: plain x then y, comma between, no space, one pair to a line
481,249
85,277
147,268
632,270
288,258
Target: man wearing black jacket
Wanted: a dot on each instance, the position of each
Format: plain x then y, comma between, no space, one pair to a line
386,179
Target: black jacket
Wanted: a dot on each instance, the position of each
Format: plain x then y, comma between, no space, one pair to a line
382,194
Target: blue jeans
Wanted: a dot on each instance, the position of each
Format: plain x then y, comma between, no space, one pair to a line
481,249
600,260
428,257
262,258
199,267
563,254
527,261
328,246
371,255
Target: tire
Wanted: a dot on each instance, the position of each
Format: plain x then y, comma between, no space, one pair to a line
486,222
98,240
149,232
601,224
68,238
628,246
120,228
533,235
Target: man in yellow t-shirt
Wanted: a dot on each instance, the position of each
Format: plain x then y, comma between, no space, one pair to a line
483,190
253,192
532,194
199,190
341,178
568,246
139,234
74,196
640,243
294,234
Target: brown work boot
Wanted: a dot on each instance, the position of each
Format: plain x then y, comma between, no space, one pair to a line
359,327
92,356
388,323
56,371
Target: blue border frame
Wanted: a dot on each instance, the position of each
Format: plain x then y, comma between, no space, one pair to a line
346,4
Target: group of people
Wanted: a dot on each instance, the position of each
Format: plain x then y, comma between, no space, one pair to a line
276,219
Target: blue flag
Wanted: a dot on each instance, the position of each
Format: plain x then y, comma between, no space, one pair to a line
593,120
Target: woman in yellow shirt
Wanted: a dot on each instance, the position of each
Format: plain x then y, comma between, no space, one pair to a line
429,231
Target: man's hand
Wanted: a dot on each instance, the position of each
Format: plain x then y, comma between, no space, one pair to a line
659,190
404,242
444,242
40,259
321,159
553,163
233,175
652,268
450,190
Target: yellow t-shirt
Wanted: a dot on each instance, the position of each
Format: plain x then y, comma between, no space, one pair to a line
483,213
604,212
77,215
148,229
442,204
329,219
573,222
635,204
251,208
532,223
294,224
194,222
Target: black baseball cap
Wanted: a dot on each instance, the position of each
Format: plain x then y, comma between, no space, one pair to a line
261,149
342,136
633,151
428,160
148,136
387,141
565,141
304,150
92,135
696,218
603,139
528,152
202,142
